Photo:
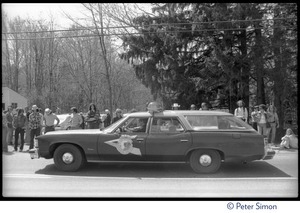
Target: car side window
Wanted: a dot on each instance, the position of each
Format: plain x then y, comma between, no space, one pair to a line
230,123
166,125
134,125
202,122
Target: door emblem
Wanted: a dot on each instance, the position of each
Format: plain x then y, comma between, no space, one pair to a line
124,145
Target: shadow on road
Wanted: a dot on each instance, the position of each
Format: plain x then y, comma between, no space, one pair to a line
257,169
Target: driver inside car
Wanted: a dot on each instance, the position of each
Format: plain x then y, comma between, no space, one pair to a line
141,127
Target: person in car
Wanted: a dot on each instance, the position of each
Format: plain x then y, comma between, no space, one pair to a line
142,124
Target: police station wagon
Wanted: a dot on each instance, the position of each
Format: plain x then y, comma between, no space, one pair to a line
204,139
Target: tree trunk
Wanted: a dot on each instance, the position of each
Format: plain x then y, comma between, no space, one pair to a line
259,68
245,69
279,78
104,55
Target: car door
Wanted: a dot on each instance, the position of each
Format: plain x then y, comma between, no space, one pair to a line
240,139
126,143
168,139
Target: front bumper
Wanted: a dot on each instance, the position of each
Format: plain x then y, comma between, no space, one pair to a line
269,152
34,153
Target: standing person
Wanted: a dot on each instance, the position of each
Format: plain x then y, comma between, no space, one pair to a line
49,119
93,117
193,107
76,119
35,124
254,117
241,111
10,128
204,106
262,120
42,126
83,121
175,106
27,131
107,120
19,124
57,111
118,115
274,122
4,132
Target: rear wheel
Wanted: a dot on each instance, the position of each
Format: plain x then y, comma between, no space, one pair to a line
205,161
69,158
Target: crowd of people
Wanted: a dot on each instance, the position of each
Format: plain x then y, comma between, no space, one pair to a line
263,119
26,124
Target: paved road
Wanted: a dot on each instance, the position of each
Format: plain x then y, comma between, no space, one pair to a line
23,177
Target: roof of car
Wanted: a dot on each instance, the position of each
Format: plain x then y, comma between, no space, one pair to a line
179,112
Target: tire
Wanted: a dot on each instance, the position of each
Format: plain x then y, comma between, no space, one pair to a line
205,161
68,158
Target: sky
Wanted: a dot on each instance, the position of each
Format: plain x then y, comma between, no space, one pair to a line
37,11
43,10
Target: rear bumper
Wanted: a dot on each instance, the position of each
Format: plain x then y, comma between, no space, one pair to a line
269,152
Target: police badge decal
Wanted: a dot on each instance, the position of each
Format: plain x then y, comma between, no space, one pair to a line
124,145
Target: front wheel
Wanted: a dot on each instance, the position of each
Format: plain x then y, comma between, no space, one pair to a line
68,157
205,161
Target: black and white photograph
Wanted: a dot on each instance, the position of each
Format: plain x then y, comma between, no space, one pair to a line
151,101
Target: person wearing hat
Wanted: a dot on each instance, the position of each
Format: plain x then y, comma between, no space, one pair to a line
175,106
118,115
35,124
49,119
254,117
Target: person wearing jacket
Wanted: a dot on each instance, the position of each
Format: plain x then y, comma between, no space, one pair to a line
35,124
19,123
10,129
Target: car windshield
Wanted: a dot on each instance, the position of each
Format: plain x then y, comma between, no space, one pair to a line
214,122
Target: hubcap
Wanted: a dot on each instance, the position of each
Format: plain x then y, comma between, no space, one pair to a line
67,158
205,160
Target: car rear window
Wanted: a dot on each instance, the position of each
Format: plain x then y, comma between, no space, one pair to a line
214,122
